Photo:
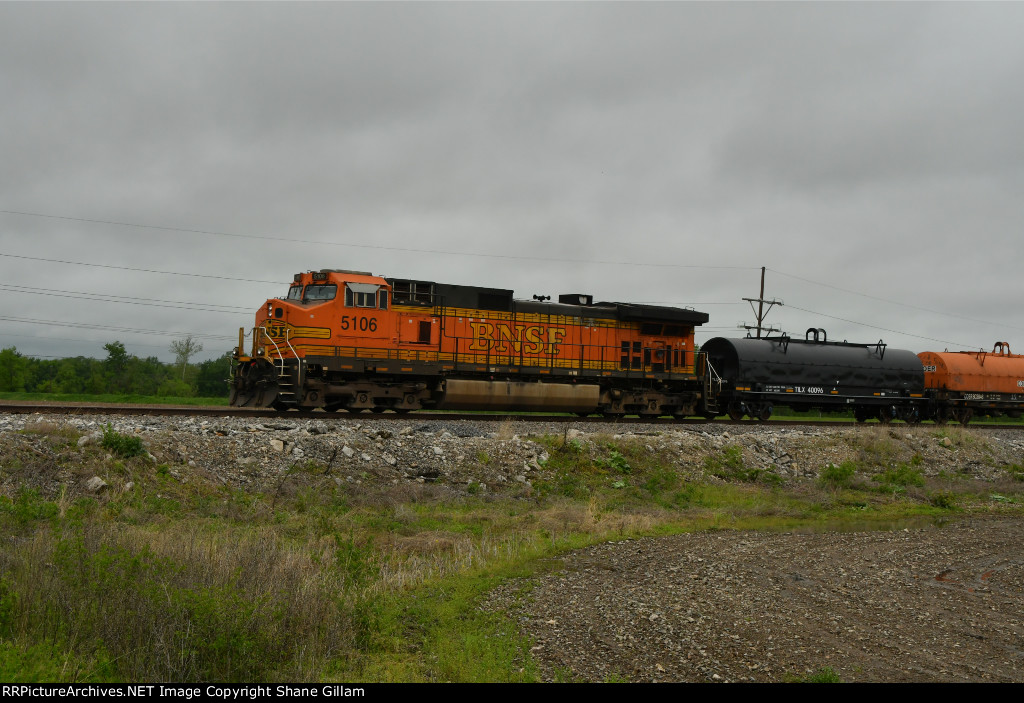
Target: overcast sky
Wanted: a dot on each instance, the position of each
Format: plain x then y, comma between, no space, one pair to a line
165,168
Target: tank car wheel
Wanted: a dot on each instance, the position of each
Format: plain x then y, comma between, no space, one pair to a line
710,416
885,414
735,412
860,414
942,416
765,412
964,416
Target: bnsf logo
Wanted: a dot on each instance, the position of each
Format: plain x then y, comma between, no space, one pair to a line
505,339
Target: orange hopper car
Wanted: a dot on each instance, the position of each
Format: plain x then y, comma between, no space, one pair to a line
352,340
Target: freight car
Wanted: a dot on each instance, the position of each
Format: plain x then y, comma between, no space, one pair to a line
354,341
813,373
963,384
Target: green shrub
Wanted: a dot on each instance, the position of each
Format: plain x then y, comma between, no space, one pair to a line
619,463
28,507
124,446
838,476
825,674
943,499
901,476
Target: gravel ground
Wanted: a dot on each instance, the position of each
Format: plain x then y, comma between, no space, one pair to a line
933,604
491,457
938,604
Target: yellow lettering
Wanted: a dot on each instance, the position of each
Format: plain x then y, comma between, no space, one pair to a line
555,336
506,338
534,340
483,336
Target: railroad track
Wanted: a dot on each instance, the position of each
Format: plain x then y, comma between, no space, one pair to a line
28,407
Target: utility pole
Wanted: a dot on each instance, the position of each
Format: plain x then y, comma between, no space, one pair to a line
761,312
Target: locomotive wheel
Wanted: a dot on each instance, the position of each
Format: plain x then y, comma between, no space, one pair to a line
735,412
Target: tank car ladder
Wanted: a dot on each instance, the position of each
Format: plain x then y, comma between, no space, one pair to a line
712,386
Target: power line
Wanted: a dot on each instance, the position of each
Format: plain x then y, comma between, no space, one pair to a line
379,247
127,300
76,339
896,302
449,253
884,329
128,268
110,328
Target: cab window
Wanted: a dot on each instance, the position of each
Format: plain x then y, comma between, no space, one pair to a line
361,295
295,293
320,293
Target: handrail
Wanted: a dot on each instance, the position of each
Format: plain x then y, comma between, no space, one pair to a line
280,356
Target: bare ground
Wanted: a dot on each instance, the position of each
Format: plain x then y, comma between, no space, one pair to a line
934,604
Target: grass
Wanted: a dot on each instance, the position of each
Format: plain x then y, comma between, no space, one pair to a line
120,399
308,580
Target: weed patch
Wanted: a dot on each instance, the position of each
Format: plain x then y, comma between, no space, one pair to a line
902,476
840,476
124,446
728,465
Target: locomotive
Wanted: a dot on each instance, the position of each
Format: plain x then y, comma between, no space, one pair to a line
350,340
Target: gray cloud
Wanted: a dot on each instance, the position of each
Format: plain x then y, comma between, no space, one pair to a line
870,147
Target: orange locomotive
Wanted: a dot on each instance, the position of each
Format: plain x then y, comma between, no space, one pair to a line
351,340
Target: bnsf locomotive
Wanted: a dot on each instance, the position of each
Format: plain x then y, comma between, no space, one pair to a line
354,341
351,340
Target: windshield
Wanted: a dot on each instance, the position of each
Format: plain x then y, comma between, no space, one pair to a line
318,293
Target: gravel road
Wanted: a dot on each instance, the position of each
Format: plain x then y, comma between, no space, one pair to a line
923,604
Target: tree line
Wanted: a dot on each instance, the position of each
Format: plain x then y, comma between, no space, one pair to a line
119,373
